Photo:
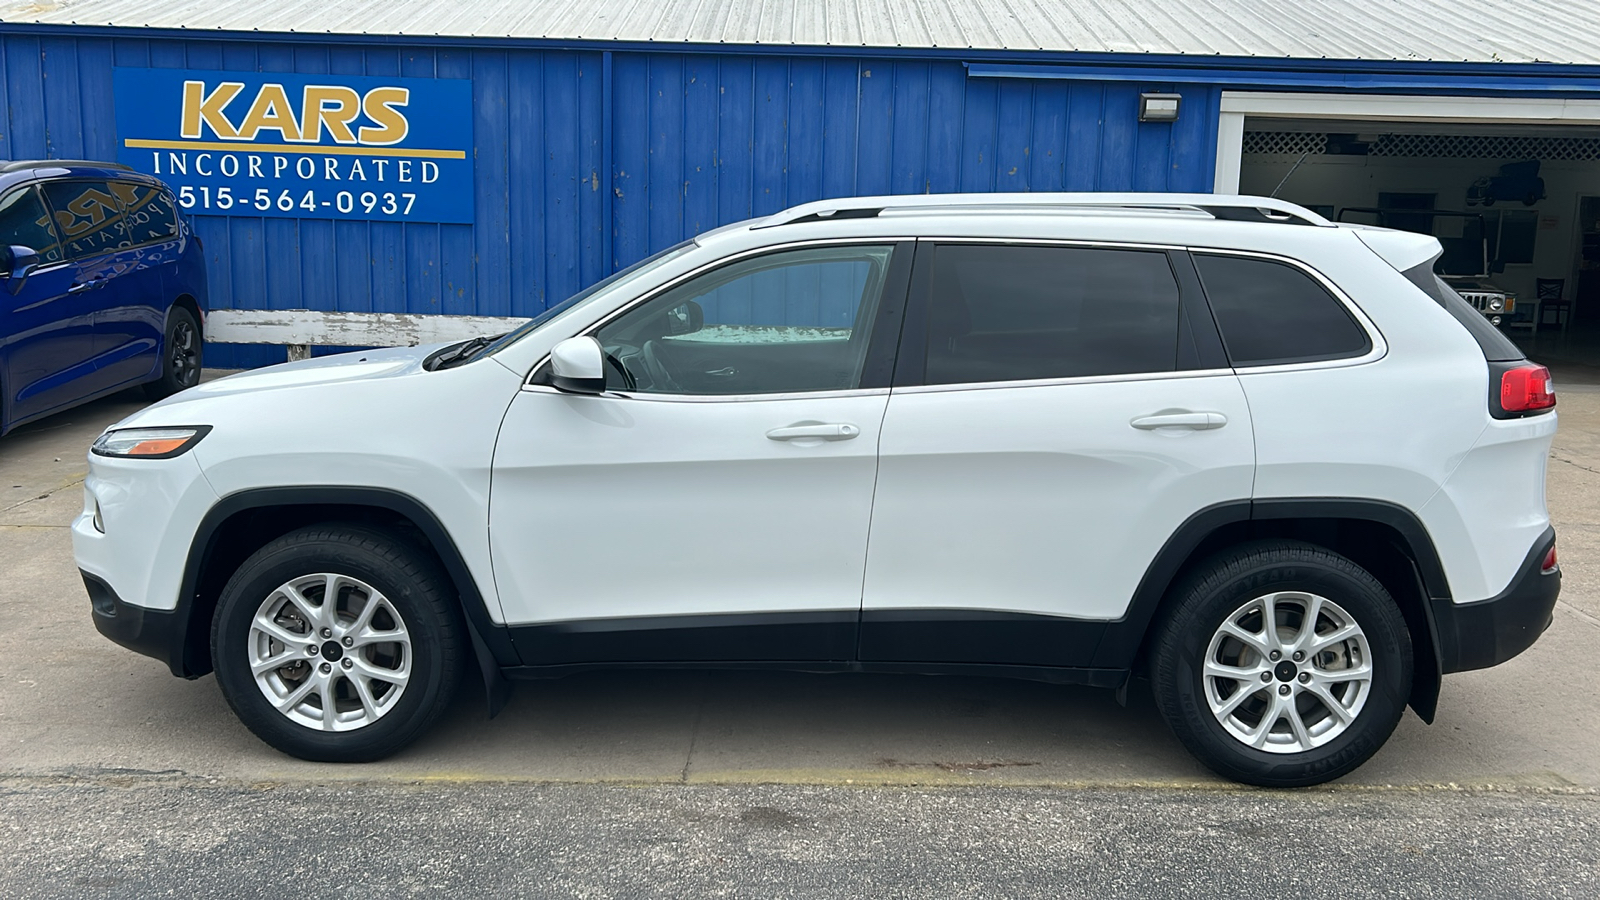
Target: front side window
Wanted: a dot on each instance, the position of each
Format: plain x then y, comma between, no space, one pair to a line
638,270
148,210
88,217
795,320
24,223
1012,313
1273,313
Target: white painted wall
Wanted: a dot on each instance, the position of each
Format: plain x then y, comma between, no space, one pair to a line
1343,181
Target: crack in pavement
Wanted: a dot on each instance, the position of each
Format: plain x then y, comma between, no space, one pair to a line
1578,612
78,482
1574,464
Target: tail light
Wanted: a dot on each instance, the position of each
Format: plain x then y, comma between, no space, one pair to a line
1520,389
1549,561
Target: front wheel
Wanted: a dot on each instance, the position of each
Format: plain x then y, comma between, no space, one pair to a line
1282,665
182,353
338,643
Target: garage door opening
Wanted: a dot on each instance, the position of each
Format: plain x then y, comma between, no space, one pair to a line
1516,204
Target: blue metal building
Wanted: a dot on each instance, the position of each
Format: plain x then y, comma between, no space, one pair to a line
597,133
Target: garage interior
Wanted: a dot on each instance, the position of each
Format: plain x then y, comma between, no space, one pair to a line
1516,206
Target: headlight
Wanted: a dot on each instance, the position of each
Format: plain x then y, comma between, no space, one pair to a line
149,443
1497,303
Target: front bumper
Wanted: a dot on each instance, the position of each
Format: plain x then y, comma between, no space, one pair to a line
1489,632
155,633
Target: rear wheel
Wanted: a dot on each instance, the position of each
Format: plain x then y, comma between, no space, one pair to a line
182,353
1282,664
338,643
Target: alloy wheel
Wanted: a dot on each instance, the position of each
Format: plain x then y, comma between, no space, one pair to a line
185,357
1287,672
329,652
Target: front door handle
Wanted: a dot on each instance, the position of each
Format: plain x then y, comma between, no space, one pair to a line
829,432
1199,421
87,284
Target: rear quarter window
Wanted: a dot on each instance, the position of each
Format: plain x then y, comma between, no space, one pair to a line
1271,313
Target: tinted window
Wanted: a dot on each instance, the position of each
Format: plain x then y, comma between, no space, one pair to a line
24,222
790,321
148,211
1496,346
1271,312
87,216
1007,313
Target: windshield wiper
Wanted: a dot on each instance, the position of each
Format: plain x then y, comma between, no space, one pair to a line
461,352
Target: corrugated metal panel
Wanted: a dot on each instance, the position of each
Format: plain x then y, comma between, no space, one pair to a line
696,141
1439,30
701,140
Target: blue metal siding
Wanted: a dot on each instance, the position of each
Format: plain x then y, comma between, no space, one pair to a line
587,161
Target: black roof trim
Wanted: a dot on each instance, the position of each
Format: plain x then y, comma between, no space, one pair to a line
866,212
1255,214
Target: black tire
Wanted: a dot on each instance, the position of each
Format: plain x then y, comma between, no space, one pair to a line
421,599
182,354
1220,590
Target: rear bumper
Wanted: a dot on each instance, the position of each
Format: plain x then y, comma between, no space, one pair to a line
156,633
1489,632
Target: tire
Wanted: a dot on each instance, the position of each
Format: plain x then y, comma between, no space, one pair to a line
409,680
1221,725
182,353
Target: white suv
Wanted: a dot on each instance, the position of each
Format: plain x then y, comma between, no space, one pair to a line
1268,461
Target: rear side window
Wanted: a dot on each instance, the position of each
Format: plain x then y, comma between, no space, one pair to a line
148,211
1013,313
87,216
24,222
1271,312
1496,346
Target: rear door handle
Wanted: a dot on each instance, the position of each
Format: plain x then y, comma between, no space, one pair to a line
831,432
1199,421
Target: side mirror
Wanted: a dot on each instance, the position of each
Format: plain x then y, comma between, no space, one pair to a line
685,318
577,366
19,262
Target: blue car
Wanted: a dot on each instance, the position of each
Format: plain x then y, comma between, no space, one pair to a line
104,287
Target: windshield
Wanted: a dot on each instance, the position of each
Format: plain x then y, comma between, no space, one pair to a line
631,272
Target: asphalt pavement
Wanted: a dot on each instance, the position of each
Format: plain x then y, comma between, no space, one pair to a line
117,779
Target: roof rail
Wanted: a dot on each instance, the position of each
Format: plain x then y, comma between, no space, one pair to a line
22,164
1219,206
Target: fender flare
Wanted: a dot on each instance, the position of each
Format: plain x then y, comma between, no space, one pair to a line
1125,637
491,642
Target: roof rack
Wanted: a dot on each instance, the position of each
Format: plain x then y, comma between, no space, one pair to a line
1219,206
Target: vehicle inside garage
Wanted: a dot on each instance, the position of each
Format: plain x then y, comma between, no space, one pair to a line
1517,208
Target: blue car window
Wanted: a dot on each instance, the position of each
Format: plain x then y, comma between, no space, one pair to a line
148,210
24,222
88,217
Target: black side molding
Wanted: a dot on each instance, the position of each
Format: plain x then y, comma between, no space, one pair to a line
753,637
1099,678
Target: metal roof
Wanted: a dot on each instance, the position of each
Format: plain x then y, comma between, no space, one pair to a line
1559,31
